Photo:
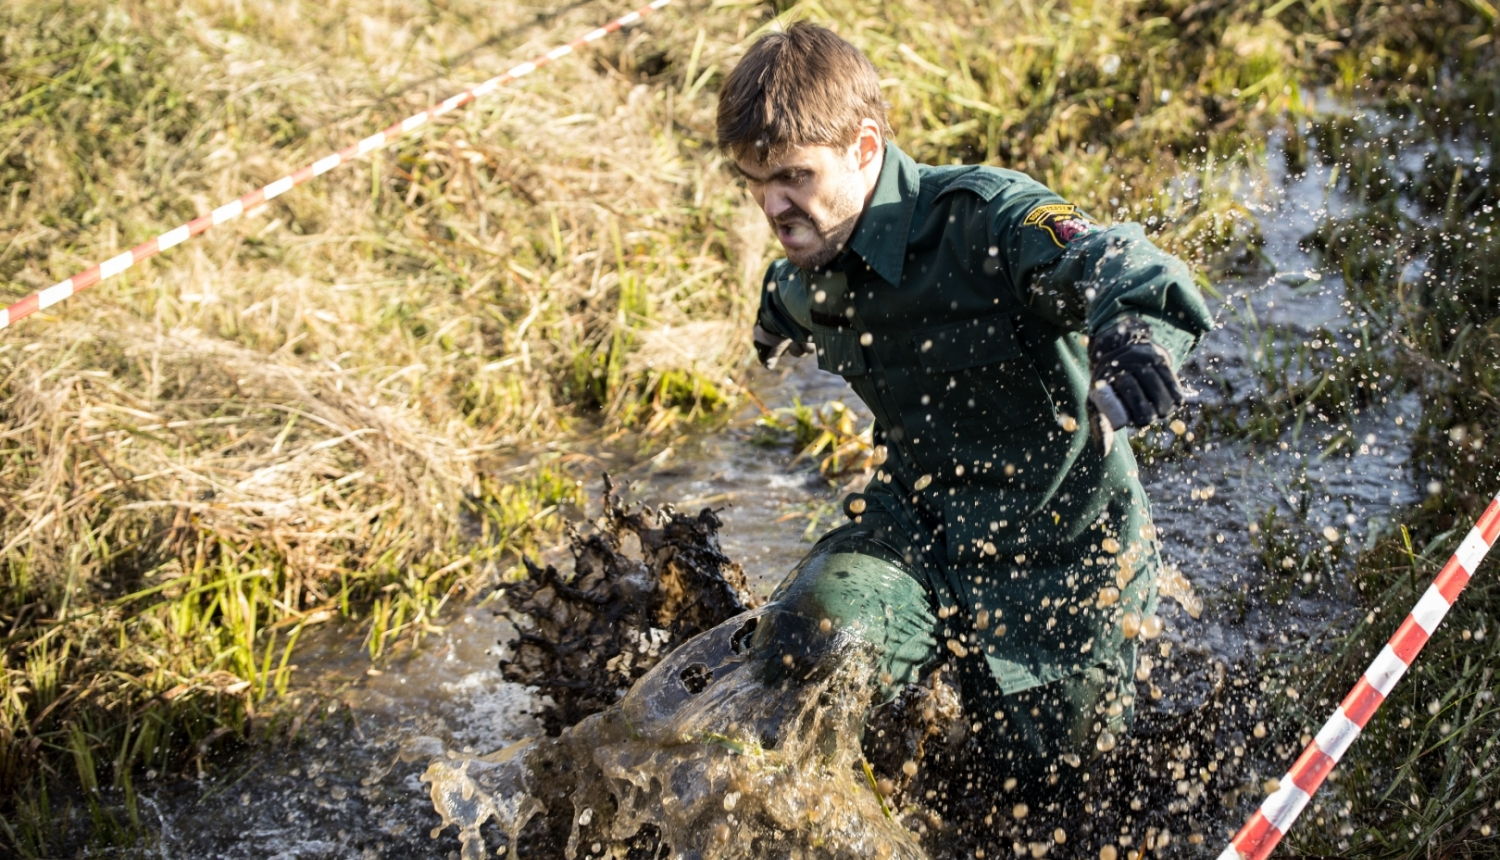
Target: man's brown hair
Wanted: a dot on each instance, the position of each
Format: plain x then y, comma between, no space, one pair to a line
804,86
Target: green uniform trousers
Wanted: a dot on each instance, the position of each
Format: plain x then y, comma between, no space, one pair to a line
870,578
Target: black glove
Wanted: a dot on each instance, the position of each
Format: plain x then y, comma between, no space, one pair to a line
1133,381
770,346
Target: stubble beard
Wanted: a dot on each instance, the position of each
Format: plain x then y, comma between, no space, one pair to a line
835,230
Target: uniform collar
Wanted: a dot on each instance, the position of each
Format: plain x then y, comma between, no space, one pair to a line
880,239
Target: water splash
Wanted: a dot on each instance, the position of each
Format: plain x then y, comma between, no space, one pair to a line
706,754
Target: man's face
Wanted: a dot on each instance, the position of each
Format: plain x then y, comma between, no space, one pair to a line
813,197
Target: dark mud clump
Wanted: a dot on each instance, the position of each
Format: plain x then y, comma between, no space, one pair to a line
901,730
644,581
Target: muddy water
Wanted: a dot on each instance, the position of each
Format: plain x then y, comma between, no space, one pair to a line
349,785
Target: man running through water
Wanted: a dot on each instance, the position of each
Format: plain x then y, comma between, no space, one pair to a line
992,328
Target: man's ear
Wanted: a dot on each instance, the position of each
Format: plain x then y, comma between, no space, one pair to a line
870,143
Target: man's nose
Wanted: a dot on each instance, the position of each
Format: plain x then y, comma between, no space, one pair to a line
776,203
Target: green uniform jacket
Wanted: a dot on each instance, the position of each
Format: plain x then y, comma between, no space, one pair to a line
959,314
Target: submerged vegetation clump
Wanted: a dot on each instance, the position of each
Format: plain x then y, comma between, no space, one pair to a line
643,583
361,402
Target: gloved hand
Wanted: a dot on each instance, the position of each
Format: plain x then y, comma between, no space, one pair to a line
1133,381
770,346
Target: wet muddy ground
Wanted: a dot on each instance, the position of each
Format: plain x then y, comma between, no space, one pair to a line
347,785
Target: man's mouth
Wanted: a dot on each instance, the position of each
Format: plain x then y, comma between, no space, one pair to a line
796,232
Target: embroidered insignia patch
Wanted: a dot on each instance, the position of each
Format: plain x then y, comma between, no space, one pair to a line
1062,221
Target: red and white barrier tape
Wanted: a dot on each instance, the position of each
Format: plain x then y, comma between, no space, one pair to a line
234,209
1281,808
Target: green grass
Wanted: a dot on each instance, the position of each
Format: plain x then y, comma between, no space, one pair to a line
1420,781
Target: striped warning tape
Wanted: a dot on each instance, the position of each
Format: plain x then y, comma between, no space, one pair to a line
235,208
1281,808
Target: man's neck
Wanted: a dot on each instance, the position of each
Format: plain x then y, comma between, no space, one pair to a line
871,175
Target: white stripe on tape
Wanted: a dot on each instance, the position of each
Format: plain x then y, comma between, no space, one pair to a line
559,52
657,4
1472,551
451,103
372,143
115,265
1385,670
173,238
486,88
323,165
279,187
595,35
54,294
1429,611
414,121
228,212
523,69
1284,805
627,20
4,317
1336,735
1229,854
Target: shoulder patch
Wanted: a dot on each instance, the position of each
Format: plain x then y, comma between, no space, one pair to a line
1062,221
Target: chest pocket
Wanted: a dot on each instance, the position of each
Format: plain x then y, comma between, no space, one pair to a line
979,376
839,352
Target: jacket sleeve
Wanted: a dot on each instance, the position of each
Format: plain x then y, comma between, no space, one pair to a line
783,303
1079,275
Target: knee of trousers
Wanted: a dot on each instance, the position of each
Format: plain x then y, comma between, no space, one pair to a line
851,592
